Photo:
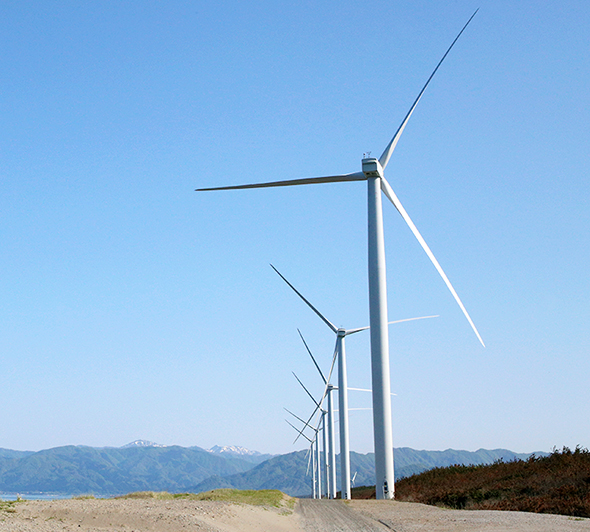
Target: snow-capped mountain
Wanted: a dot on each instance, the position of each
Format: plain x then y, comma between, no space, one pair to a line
233,449
142,443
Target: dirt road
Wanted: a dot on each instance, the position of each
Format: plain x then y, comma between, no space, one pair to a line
334,516
411,517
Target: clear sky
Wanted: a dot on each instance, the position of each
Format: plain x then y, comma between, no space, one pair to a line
133,307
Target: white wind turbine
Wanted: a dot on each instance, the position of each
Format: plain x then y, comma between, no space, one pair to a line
340,354
329,445
316,431
372,173
314,446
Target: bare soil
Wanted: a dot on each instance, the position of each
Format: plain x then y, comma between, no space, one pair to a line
150,515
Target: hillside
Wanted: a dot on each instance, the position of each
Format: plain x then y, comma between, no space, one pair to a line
558,484
77,469
144,466
288,472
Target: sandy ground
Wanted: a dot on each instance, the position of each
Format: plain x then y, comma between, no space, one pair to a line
149,515
144,515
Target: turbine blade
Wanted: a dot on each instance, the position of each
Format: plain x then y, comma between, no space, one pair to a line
307,425
332,366
324,395
359,390
352,331
308,393
356,176
294,415
325,320
412,319
312,357
384,159
300,433
309,419
386,187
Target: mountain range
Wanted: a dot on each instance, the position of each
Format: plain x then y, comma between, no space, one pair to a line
146,466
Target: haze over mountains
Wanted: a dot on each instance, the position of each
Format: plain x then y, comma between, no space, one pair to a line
148,466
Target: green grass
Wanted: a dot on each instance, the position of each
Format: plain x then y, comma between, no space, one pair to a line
272,498
9,506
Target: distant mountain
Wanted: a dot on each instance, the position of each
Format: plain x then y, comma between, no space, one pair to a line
9,454
75,470
410,462
142,443
145,466
288,472
231,450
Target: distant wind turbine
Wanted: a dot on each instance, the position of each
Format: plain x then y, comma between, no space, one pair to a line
372,172
314,446
329,443
340,354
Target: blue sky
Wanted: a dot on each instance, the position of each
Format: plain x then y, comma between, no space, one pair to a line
134,307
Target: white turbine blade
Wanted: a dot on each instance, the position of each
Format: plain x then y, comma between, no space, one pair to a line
325,320
412,319
332,366
312,357
384,159
308,393
300,433
356,176
352,331
361,390
307,425
316,409
309,419
324,395
386,187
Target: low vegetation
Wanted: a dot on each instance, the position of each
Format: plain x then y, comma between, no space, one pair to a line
557,484
272,498
9,506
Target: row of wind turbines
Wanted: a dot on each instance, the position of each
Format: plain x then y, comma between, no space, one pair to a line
343,411
372,171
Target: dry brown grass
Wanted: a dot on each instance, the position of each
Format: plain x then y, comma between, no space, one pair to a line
557,484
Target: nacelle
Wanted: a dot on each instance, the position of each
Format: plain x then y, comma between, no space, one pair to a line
372,168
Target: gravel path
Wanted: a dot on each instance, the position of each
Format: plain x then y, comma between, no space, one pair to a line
410,517
334,516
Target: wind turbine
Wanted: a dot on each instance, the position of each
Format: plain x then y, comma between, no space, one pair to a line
328,436
313,443
372,172
329,445
316,431
340,354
